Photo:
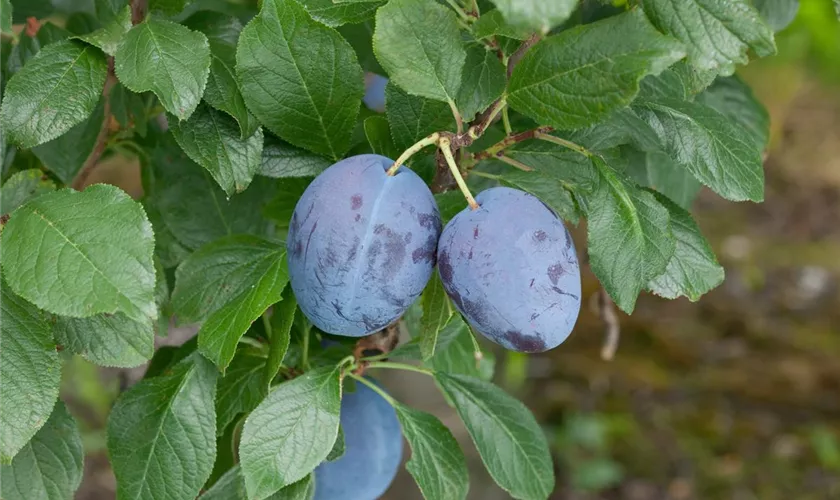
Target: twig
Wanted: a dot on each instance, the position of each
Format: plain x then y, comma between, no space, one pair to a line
485,119
517,56
382,342
102,138
514,163
138,10
494,150
613,329
563,142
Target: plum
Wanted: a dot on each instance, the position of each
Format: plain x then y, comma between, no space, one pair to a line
374,97
372,450
361,245
511,269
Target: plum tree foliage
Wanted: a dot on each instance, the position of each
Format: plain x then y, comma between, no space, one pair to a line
288,210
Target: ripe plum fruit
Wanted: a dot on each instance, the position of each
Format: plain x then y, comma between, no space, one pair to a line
511,268
361,245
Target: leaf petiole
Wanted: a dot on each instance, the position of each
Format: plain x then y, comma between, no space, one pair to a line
563,142
456,173
408,153
399,366
387,397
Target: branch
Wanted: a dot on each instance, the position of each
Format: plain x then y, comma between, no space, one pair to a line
102,139
520,52
497,149
138,10
613,330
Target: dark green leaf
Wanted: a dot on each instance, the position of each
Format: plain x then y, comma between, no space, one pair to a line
360,37
777,13
109,36
630,240
231,486
65,155
280,159
28,46
291,431
282,319
213,140
483,82
162,433
437,311
437,462
733,98
717,33
168,7
241,389
622,127
338,447
81,23
493,23
709,145
50,466
107,339
314,104
335,14
289,190
693,270
509,440
577,78
102,255
378,133
5,16
456,353
168,249
549,189
419,45
29,373
658,171
167,59
536,15
56,90
449,204
23,186
413,118
107,10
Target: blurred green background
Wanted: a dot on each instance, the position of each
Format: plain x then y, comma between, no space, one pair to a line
734,397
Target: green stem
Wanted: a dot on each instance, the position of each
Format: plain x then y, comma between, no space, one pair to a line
476,348
457,114
514,163
463,15
251,341
387,397
408,153
400,366
304,358
486,175
563,142
267,325
453,166
506,121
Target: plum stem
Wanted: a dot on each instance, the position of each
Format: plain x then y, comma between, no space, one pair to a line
399,366
506,122
563,142
408,153
387,397
456,173
459,122
476,348
304,357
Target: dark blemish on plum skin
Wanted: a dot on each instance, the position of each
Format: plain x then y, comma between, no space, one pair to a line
561,292
356,201
309,240
445,267
428,221
555,271
427,252
532,283
475,233
394,250
525,343
358,217
298,249
540,235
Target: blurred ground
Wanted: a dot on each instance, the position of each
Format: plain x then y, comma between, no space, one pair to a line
734,397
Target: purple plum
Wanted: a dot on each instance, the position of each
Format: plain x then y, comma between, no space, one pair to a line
361,245
374,97
511,269
372,450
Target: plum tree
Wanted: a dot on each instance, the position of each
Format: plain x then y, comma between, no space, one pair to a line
361,245
372,450
511,269
374,97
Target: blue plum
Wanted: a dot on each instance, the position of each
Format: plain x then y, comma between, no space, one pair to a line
372,450
374,97
361,245
511,268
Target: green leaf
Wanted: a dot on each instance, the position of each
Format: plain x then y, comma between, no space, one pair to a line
449,204
65,155
101,255
437,462
548,189
573,170
456,353
338,448
437,311
28,46
162,433
733,98
167,59
508,438
280,159
168,249
419,45
630,240
335,14
658,171
622,127
709,145
536,15
493,23
693,270
315,103
168,7
57,89
222,90
210,214
29,373
413,118
777,13
577,78
50,466
23,186
231,486
107,339
213,140
360,37
378,133
282,319
109,36
291,431
5,16
281,208
107,10
242,388
717,33
483,82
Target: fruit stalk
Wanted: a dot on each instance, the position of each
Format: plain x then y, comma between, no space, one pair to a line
408,153
445,144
